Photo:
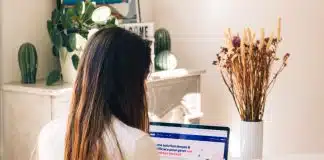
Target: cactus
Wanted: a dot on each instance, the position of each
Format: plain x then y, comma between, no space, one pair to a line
165,61
162,40
27,57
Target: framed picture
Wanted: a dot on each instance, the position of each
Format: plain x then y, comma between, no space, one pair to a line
126,10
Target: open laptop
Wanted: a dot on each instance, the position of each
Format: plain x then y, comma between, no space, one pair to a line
190,142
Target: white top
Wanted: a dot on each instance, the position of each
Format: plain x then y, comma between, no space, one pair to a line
134,144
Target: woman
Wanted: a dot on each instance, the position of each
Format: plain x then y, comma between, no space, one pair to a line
108,117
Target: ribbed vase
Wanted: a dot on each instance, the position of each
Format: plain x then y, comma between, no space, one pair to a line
251,140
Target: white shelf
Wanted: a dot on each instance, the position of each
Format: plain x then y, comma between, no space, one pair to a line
41,89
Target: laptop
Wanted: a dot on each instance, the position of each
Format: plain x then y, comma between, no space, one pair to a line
190,141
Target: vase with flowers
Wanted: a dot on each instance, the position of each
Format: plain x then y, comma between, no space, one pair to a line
245,65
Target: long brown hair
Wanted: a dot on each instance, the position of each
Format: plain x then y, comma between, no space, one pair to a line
110,82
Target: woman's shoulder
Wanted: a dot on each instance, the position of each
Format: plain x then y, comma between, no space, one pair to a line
134,142
126,132
51,139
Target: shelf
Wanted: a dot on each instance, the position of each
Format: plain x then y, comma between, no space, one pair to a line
41,89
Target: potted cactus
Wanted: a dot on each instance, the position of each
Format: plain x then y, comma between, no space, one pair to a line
69,28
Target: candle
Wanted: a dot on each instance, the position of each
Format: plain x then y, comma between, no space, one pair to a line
279,29
261,38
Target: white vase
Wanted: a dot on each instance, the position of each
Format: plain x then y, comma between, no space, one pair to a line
68,71
251,140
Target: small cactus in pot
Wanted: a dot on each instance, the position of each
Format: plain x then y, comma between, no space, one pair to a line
27,58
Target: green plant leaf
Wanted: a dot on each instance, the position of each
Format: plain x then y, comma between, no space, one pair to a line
70,12
55,16
56,37
110,26
53,77
111,21
65,39
62,11
65,21
75,61
89,8
84,33
55,51
67,18
71,43
78,8
59,4
49,27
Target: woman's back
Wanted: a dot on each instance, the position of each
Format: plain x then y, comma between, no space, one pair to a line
134,144
108,102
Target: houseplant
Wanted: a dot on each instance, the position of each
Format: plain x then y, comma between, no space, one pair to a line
69,29
245,66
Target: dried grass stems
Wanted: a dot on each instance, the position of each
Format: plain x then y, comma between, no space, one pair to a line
245,65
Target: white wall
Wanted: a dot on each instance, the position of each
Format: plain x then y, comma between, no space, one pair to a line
1,110
294,121
25,21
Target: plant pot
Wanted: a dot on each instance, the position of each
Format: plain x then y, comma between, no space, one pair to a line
251,140
68,71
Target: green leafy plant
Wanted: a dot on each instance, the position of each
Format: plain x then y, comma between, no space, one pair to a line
66,23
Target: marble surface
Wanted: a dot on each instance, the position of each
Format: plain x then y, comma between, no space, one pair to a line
41,89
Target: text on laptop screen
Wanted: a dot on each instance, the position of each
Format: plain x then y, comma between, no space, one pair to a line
175,143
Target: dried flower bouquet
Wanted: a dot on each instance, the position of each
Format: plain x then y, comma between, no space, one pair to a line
246,65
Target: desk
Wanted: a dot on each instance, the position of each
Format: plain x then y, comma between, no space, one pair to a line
293,157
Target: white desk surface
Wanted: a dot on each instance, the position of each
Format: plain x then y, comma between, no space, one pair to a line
293,157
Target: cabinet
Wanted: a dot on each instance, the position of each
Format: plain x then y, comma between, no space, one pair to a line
27,108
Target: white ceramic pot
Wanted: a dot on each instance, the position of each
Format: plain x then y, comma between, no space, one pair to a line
251,140
69,73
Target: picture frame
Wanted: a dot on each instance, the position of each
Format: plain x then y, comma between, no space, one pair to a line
128,11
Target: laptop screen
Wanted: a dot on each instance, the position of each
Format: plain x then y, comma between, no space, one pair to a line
190,142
